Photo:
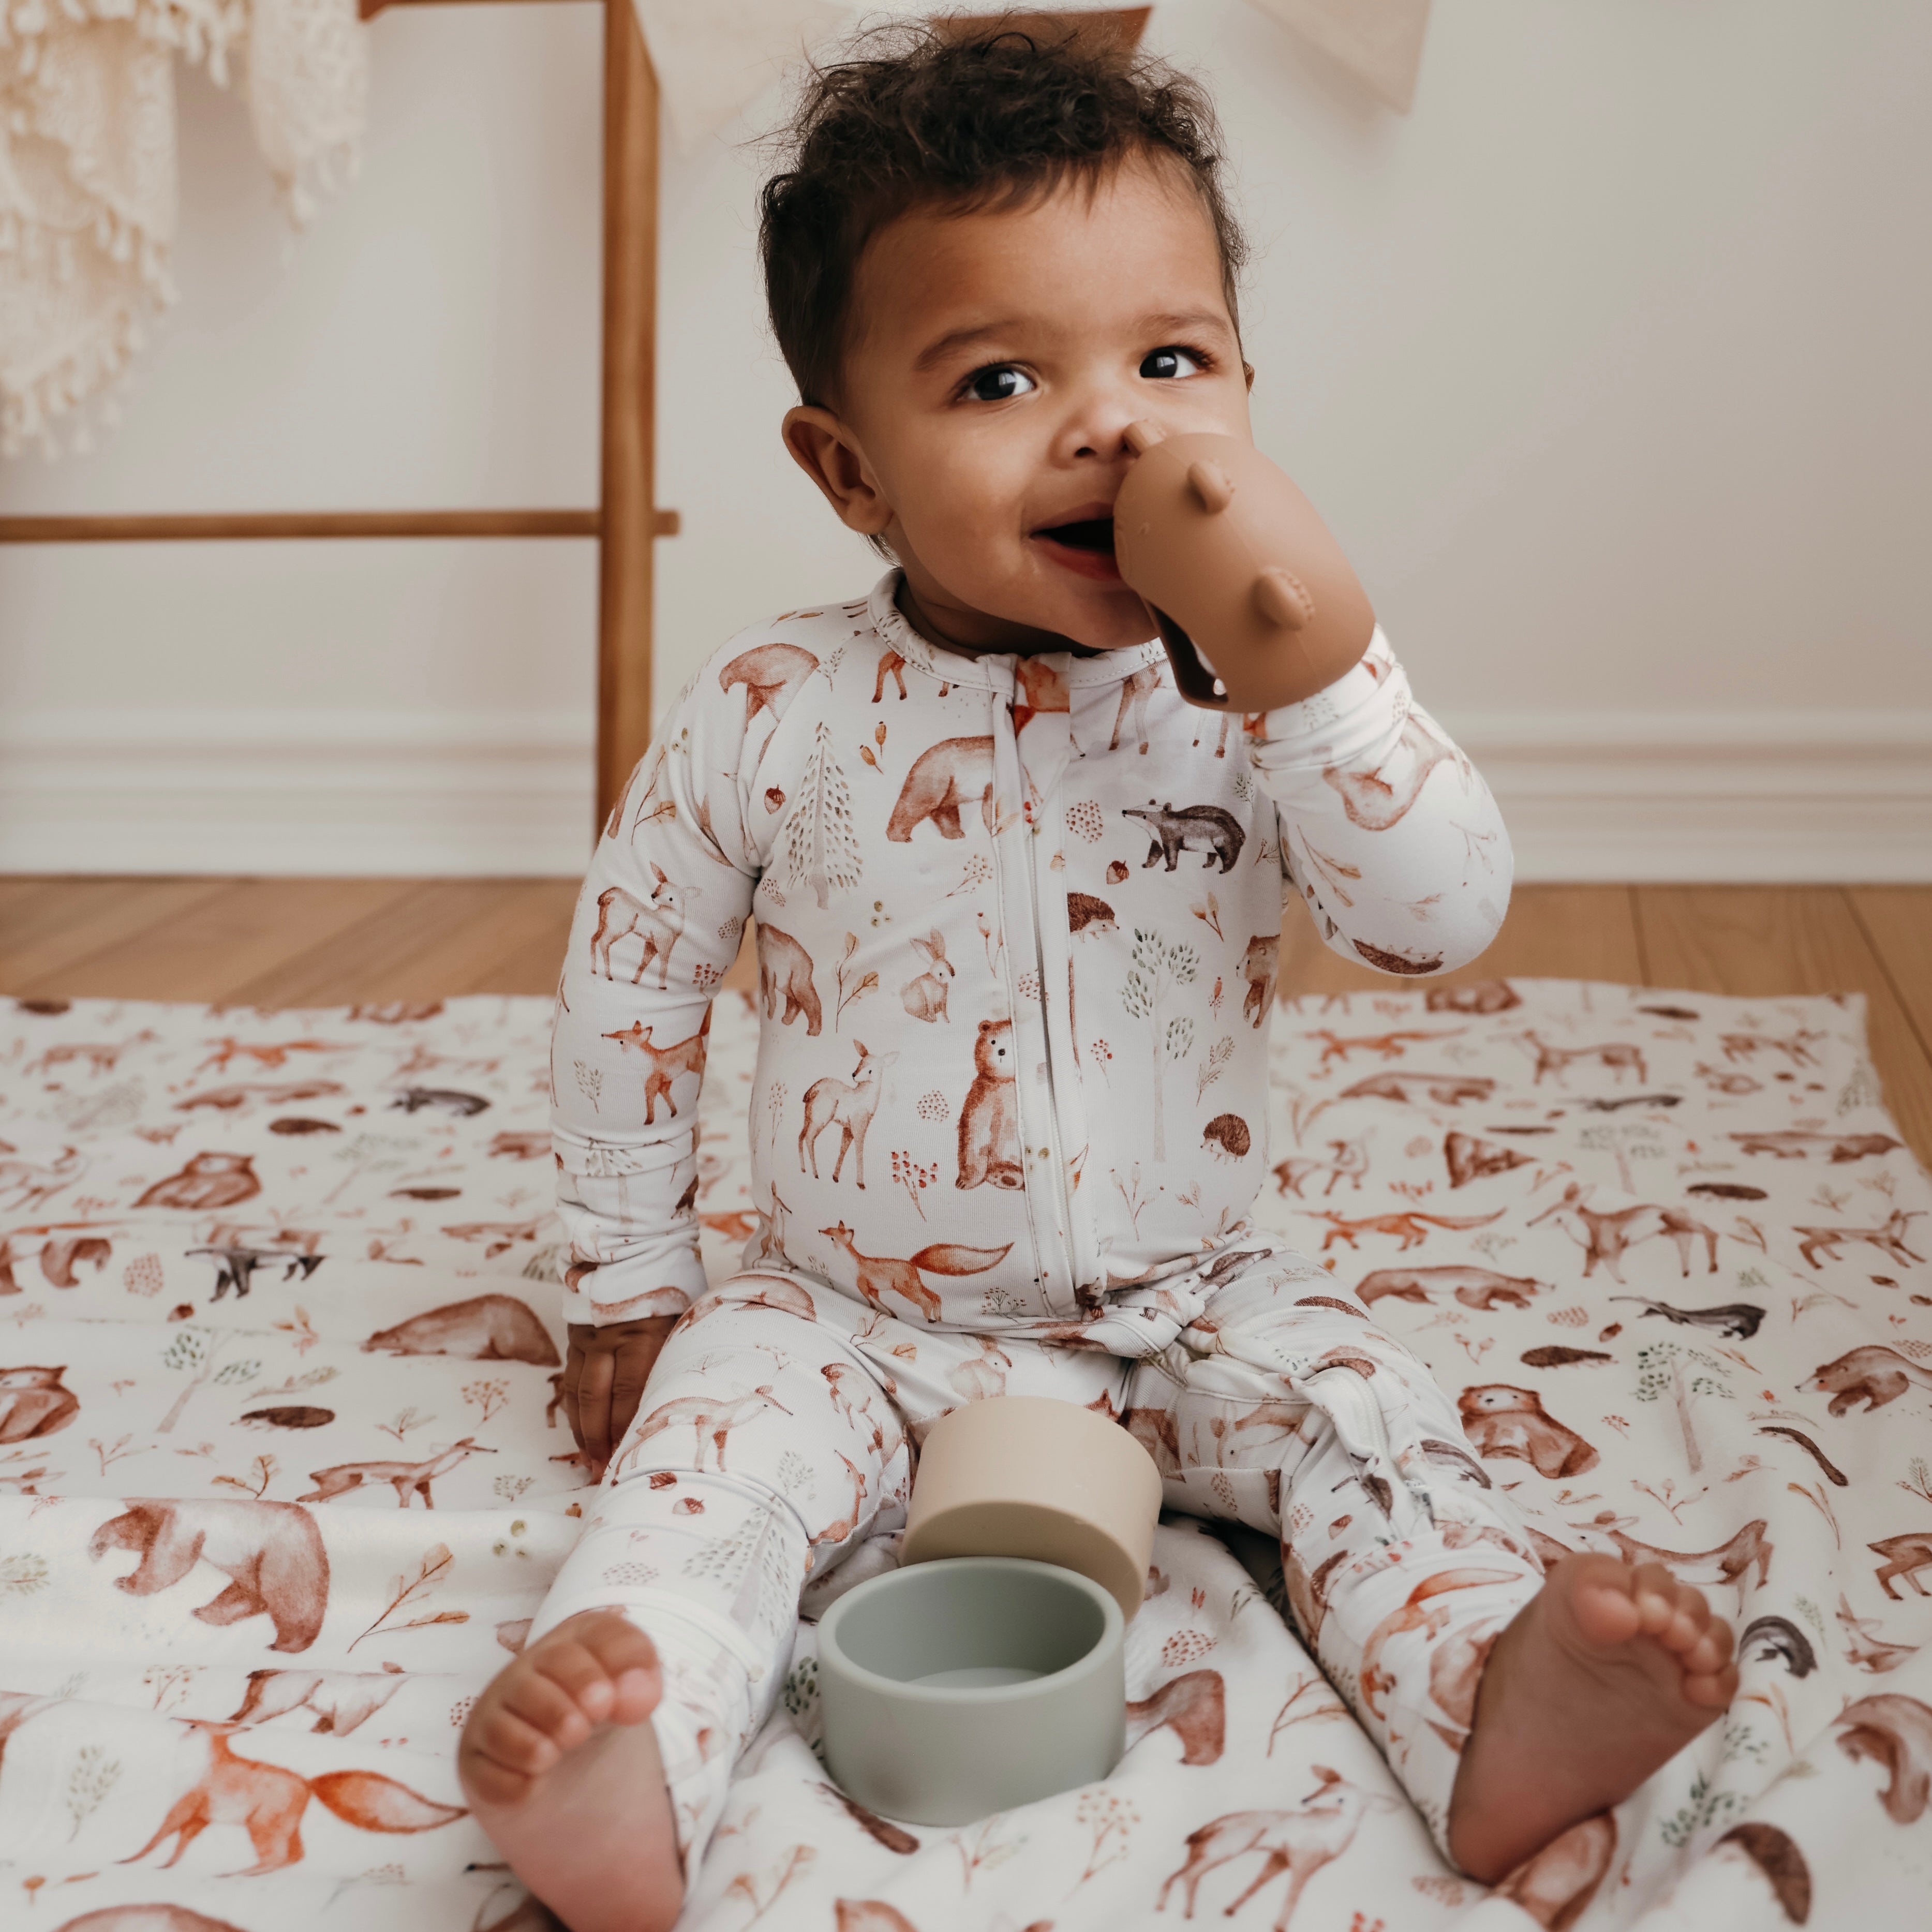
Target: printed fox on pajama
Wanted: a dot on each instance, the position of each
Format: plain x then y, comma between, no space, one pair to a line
1017,929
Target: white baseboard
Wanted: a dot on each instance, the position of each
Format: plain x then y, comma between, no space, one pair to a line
1767,796
1772,796
297,791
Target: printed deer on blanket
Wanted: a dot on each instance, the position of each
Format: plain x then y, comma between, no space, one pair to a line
1299,1843
1607,1237
1194,1707
879,1275
1618,1056
1888,1239
267,1801
1905,1557
658,921
847,1105
410,1479
1350,1163
665,1063
1796,1047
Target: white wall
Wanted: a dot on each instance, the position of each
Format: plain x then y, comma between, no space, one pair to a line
1605,364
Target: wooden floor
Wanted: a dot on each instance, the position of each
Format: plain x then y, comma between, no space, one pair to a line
320,942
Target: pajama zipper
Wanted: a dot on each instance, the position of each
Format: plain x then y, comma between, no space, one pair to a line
1055,1152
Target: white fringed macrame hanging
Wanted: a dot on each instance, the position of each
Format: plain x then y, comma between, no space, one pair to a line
88,188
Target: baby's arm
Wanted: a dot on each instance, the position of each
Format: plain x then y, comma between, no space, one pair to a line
1387,831
657,922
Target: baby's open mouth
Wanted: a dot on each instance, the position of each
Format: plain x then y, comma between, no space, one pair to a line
1093,534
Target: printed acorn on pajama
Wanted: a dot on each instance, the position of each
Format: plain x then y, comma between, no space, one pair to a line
1003,910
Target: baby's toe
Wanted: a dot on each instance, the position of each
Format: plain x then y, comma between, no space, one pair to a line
503,1756
549,1708
1711,1651
1656,1596
569,1670
1713,1692
624,1658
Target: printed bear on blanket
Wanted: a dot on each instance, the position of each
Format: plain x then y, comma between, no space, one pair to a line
272,1553
489,1328
1504,1421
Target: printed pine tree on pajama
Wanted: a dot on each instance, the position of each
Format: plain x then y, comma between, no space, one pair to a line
1158,966
821,847
753,1558
1684,1374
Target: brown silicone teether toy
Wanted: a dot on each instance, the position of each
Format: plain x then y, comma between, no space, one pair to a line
1253,599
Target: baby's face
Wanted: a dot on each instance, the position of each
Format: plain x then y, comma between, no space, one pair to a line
998,359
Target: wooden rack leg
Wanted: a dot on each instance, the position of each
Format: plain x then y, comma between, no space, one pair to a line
630,310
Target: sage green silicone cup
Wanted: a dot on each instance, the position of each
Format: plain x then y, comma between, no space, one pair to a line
956,1688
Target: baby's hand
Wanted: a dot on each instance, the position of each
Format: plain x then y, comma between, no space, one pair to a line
603,1379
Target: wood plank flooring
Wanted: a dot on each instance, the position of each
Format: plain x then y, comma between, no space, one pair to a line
326,942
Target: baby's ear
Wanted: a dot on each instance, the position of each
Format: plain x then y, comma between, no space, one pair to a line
826,449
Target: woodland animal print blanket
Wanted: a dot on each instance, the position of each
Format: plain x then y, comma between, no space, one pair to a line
282,1479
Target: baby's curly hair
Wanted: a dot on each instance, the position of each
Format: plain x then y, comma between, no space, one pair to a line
960,114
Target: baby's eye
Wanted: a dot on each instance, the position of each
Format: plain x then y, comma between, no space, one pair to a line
1171,362
999,384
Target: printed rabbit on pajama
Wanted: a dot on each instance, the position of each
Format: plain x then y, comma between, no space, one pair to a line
1027,912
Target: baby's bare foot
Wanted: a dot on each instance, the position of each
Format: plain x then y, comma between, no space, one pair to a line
561,1768
1606,1675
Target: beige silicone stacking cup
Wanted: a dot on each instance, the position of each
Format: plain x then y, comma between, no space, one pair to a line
1027,1476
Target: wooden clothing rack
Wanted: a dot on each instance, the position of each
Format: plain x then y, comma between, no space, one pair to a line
625,522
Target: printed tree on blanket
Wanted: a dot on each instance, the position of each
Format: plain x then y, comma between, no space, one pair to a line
192,1352
821,845
1684,1374
1159,966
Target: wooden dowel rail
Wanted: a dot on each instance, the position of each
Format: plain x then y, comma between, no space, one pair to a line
273,525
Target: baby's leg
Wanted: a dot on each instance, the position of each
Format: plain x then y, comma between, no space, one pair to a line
1511,1706
761,1454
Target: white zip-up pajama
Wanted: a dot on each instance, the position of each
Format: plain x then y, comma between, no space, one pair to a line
1017,927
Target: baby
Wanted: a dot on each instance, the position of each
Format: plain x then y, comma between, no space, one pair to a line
1018,908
